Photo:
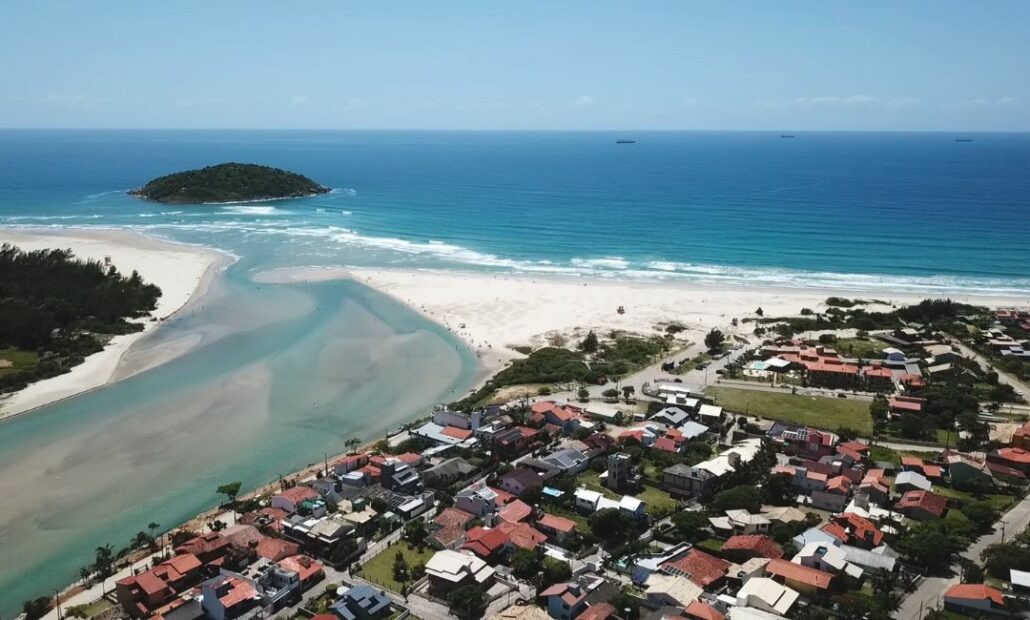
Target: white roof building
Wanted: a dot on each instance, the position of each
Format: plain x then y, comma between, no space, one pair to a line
668,590
765,594
913,478
823,555
455,567
710,411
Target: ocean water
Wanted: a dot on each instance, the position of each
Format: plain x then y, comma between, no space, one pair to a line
912,211
282,373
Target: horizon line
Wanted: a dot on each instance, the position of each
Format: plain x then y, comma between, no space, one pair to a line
501,130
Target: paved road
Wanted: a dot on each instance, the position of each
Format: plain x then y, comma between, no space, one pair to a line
930,593
1003,377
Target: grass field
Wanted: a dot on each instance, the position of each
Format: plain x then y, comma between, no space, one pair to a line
379,570
866,348
20,360
1001,503
827,413
656,499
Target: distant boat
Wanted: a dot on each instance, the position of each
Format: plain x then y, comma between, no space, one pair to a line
786,135
963,139
624,141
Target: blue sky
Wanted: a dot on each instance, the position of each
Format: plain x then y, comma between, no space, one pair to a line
879,65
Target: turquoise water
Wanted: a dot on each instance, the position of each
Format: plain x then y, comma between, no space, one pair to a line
285,372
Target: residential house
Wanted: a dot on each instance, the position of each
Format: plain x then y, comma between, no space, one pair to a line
876,486
141,594
670,590
458,419
558,529
834,496
699,610
589,501
362,602
291,499
477,500
1021,437
698,479
707,571
671,416
553,413
565,601
967,471
860,531
449,569
939,354
449,528
900,405
567,461
878,378
975,600
740,523
767,595
491,544
1016,458
922,505
828,558
739,549
911,481
804,579
449,470
622,474
515,511
349,463
520,480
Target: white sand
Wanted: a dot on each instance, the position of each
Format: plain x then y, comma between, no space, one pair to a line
503,310
180,270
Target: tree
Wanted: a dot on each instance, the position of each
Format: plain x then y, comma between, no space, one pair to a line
878,410
352,444
628,391
779,491
467,602
230,490
555,571
103,562
714,339
86,574
759,311
741,497
400,568
583,394
691,525
930,544
612,526
525,564
416,533
152,528
36,608
1000,559
611,394
981,515
589,344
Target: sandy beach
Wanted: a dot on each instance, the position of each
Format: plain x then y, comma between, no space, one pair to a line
182,271
494,312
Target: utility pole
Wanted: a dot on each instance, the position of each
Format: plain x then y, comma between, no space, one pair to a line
326,471
57,600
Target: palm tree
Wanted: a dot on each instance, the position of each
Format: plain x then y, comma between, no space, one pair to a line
352,443
85,573
104,560
230,490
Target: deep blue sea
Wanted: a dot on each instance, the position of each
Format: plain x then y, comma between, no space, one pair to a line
279,374
900,210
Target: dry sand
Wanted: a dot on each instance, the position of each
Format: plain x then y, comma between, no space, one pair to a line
494,312
182,271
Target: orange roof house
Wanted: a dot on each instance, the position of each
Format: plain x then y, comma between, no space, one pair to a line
699,567
751,546
921,505
801,578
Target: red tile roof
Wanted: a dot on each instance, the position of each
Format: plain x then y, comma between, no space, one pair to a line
976,592
835,530
861,528
522,535
877,371
905,405
839,485
410,458
297,495
554,522
932,471
503,497
457,433
1014,455
484,542
857,446
666,444
761,545
800,574
912,461
276,549
701,568
925,500
240,592
597,612
703,611
303,565
1022,431
516,511
453,517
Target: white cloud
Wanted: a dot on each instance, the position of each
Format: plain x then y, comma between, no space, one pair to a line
843,101
299,99
584,101
76,101
983,103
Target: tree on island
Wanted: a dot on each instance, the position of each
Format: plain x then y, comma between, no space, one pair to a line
714,340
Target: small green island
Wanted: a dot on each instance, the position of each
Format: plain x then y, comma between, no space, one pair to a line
229,182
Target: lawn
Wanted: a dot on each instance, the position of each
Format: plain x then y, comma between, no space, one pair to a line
655,498
866,348
1000,502
692,363
20,360
711,545
827,413
379,570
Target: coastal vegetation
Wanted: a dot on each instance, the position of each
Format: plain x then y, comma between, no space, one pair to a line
55,310
939,314
229,182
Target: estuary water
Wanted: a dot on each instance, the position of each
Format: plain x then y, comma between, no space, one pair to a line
283,372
